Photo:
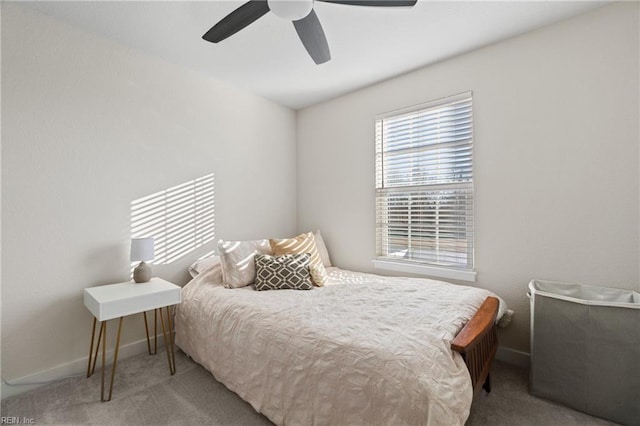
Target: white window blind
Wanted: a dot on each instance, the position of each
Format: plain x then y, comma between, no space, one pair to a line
424,184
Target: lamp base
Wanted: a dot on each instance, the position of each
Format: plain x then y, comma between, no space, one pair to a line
142,273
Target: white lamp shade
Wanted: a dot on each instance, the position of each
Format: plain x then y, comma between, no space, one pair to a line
141,249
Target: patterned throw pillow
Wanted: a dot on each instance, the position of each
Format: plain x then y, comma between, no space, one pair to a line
303,243
290,271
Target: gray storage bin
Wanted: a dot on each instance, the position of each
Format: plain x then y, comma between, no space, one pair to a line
585,348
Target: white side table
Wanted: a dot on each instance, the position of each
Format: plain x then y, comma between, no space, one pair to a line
119,300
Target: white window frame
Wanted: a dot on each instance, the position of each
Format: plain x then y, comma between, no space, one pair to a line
459,269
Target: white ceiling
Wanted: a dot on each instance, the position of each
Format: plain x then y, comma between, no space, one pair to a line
367,44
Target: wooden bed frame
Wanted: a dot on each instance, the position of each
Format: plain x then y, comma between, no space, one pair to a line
477,342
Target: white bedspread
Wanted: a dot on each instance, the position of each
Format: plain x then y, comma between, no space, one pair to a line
368,350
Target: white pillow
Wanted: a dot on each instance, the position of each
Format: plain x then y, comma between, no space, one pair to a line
237,259
212,275
322,249
202,265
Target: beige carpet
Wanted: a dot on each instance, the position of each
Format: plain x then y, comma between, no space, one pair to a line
145,394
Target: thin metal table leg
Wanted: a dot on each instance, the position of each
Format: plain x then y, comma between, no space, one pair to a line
93,333
146,329
167,341
95,355
115,358
171,337
155,331
171,342
103,333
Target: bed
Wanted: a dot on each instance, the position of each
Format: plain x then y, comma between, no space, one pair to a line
364,349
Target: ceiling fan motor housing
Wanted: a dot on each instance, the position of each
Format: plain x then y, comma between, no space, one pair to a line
292,10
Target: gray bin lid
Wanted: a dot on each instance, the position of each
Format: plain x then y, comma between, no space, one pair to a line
586,294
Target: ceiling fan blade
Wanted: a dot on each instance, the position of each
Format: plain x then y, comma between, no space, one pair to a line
378,3
237,20
312,36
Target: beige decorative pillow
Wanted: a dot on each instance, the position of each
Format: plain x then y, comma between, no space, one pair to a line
237,259
303,243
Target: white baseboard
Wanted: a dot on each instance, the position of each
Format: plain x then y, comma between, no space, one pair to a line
73,368
513,357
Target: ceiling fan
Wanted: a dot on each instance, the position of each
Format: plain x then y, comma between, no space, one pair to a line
300,12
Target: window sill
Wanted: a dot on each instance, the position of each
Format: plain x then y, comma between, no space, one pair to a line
432,271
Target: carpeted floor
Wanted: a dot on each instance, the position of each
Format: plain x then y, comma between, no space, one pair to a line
145,393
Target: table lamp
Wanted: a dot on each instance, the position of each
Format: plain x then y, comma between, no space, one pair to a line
141,250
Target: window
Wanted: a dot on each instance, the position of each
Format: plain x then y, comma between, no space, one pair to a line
424,188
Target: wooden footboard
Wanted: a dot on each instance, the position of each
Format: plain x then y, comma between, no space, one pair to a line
477,342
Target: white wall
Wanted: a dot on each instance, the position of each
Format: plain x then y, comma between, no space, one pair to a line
556,158
89,126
